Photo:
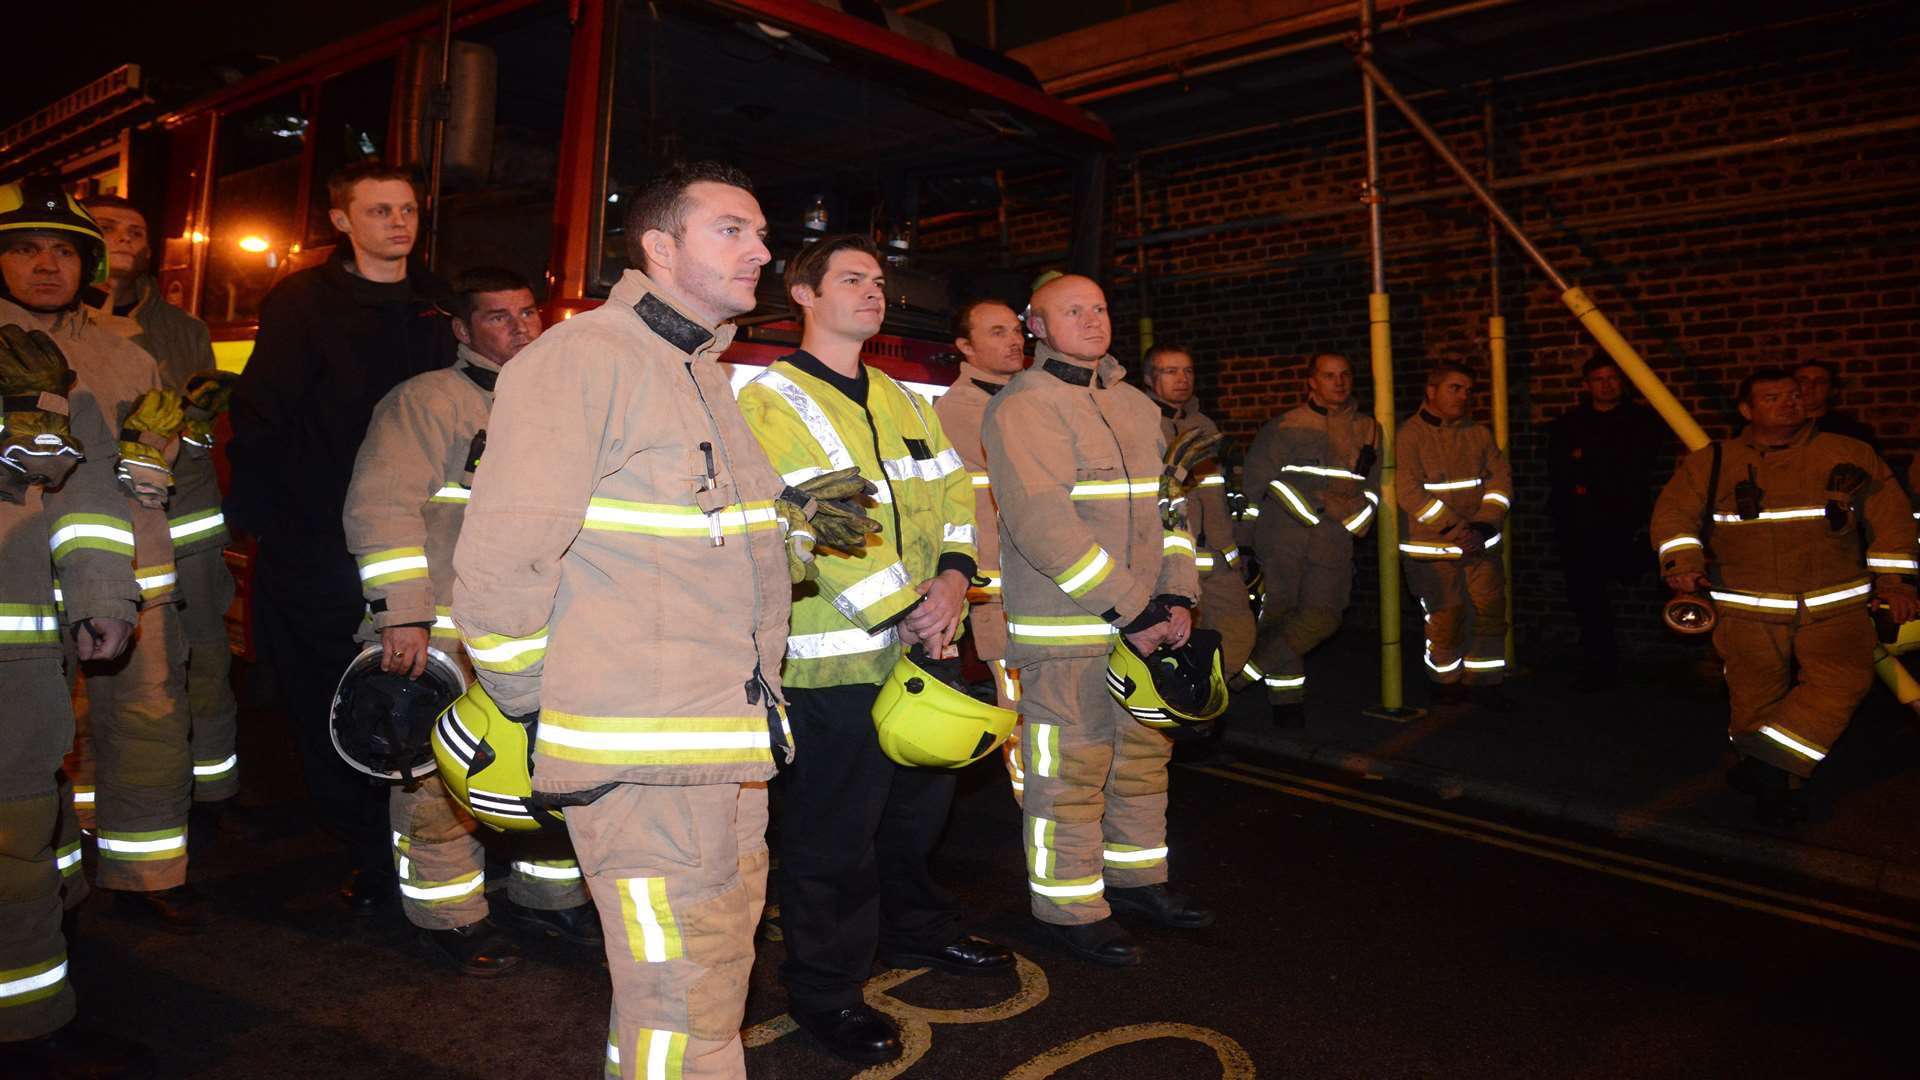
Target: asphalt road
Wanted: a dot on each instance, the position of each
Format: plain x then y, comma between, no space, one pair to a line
1361,933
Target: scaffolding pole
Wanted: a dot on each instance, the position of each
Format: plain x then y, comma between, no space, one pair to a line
1380,340
1502,387
1889,669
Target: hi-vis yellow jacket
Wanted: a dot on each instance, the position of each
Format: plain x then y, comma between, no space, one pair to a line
1789,561
411,482
844,621
621,566
1075,456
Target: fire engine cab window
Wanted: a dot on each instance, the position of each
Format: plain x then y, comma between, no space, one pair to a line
256,193
350,126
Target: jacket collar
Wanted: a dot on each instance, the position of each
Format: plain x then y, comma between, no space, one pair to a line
481,370
669,320
1076,372
980,377
1435,421
71,322
1800,438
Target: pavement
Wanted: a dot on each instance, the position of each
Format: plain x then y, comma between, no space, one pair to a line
1646,760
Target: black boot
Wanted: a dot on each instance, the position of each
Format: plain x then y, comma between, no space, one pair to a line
965,955
1105,942
477,949
179,910
579,925
857,1034
367,891
1778,803
1161,906
76,1052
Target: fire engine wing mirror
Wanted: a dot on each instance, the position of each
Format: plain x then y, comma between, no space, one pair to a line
467,159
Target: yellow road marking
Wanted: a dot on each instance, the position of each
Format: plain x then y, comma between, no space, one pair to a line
1542,847
1235,1062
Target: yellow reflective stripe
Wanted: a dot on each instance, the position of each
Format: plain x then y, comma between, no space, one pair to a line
150,846
1127,855
873,590
1294,501
1086,574
1042,862
1453,485
1009,680
1499,497
29,624
839,643
1059,630
382,568
193,526
653,740
944,464
215,768
1784,738
90,532
154,580
1754,600
548,869
667,519
1679,543
1045,740
980,480
1793,513
67,859
1486,665
1420,549
1321,470
452,493
33,982
1433,509
502,653
662,1054
1857,591
1115,489
440,892
1176,543
1203,561
1359,518
1212,480
1892,560
653,934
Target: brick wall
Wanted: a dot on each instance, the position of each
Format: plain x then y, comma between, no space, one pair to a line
1708,268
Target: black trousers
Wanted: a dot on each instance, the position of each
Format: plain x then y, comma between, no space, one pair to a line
305,612
1593,561
854,836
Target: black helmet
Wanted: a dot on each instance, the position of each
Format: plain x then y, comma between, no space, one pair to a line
40,204
382,723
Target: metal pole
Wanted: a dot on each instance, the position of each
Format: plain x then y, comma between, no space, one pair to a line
1502,393
1583,309
1141,280
442,110
1380,341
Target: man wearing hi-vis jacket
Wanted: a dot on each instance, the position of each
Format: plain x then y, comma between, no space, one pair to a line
860,829
1455,488
1793,535
1075,455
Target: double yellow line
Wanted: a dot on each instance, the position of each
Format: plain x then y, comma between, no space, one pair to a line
1680,879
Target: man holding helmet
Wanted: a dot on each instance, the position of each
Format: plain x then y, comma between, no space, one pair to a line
1075,456
411,482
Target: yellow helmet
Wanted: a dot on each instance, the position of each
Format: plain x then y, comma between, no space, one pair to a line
486,761
1174,691
40,204
928,721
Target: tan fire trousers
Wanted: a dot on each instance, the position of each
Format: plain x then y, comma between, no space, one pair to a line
35,996
442,864
679,875
1309,575
1095,808
1786,721
206,586
143,769
1465,601
1224,609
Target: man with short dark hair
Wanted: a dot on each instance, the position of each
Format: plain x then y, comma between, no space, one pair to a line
1793,533
621,582
854,853
333,340
1455,490
1223,594
1600,464
1313,476
1818,381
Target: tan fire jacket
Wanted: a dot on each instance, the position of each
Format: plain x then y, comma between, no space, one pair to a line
1790,557
621,566
1206,499
1075,456
1301,470
961,410
1449,475
411,481
118,371
85,527
180,346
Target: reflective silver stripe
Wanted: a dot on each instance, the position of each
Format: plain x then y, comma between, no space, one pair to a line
1801,513
1748,600
30,983
64,861
871,589
1175,542
1203,561
811,415
445,622
1293,499
690,521
1092,488
1284,682
1212,480
551,731
454,493
1823,599
945,463
1885,562
159,580
1438,668
1792,743
506,650
1414,547
446,892
176,842
28,623
1320,470
405,562
839,643
1087,573
1499,497
1453,485
186,530
218,767
1074,629
1681,541
549,873
1092,888
86,531
1486,665
1141,856
958,534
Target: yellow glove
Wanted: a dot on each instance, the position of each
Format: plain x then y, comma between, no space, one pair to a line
208,394
37,445
154,421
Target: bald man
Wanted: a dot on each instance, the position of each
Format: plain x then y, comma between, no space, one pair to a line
1074,457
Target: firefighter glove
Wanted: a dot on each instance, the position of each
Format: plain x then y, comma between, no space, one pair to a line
37,445
156,418
208,394
825,511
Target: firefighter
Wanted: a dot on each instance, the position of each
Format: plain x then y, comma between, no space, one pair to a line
621,575
853,854
1075,457
1793,533
1818,380
333,340
137,703
994,349
1455,488
131,306
58,497
410,486
1313,474
1223,595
